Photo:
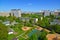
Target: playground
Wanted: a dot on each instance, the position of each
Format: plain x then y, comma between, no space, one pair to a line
25,32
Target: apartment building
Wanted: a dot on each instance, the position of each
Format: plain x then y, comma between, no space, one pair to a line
57,12
52,12
16,12
4,14
47,13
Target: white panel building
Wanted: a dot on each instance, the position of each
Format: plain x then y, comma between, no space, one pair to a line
46,13
16,12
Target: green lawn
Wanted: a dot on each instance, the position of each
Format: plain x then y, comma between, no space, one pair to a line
19,31
10,37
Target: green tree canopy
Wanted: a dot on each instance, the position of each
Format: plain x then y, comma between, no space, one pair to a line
3,32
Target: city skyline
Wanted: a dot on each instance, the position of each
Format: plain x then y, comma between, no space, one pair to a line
29,5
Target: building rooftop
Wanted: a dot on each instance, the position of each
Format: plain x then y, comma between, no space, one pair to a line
15,9
15,39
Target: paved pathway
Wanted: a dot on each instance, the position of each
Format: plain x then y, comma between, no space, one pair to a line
21,34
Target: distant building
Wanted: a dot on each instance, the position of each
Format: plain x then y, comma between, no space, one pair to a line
24,19
16,12
10,31
7,23
52,12
47,13
4,14
41,18
42,12
57,12
35,20
27,19
14,23
55,21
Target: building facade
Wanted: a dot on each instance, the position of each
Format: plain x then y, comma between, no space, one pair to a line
4,14
16,12
57,12
47,13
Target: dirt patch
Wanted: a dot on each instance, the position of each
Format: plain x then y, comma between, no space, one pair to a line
51,36
25,28
39,28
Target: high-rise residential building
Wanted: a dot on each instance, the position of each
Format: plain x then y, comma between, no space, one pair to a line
47,13
16,12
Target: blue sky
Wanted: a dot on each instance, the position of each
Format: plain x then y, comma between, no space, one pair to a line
29,5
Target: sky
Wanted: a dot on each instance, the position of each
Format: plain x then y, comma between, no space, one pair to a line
29,5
